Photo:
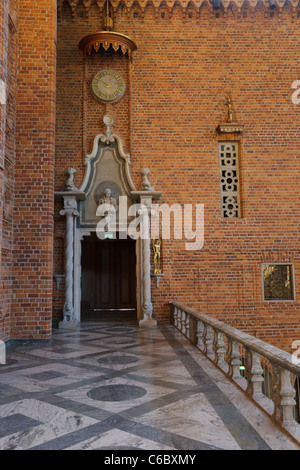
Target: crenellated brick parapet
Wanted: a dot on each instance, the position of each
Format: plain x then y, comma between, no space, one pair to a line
188,8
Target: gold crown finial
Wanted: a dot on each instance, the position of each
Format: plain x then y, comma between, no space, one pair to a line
108,21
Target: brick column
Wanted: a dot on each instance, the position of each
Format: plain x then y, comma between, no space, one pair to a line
34,176
3,76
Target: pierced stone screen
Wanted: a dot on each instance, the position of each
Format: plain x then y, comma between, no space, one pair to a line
229,179
278,282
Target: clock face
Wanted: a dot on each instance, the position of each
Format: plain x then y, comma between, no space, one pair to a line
108,85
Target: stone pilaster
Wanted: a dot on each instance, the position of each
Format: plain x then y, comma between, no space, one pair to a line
145,197
70,211
147,307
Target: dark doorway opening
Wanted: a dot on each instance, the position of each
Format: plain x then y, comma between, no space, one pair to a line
108,279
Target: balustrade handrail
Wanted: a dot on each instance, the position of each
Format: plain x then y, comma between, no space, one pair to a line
274,354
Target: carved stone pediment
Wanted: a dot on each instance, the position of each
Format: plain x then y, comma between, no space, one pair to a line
107,175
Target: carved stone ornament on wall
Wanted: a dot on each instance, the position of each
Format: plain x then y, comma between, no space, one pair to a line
107,198
107,172
70,186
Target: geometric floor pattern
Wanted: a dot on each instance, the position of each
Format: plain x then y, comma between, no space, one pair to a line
114,386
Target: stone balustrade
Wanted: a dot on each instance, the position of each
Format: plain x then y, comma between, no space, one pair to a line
243,359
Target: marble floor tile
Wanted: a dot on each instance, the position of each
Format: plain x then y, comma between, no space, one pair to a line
115,360
79,337
173,373
116,395
195,417
44,422
115,342
45,377
68,352
119,440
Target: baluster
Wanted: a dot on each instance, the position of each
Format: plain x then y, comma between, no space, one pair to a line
219,349
208,341
187,325
183,322
254,375
200,335
283,397
179,319
234,360
175,317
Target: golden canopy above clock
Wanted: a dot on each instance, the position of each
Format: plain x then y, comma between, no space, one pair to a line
107,39
107,85
104,40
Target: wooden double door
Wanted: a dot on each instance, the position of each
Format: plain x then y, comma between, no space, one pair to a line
108,276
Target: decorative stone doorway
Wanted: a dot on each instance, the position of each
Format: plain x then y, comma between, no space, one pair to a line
107,181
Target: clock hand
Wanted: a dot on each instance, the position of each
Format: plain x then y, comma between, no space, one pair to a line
107,85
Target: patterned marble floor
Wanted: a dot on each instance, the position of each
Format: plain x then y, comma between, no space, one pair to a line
112,385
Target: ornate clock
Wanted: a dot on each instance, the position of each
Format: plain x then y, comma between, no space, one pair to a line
108,85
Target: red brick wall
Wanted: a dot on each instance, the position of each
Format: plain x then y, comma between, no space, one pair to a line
186,62
9,25
34,171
